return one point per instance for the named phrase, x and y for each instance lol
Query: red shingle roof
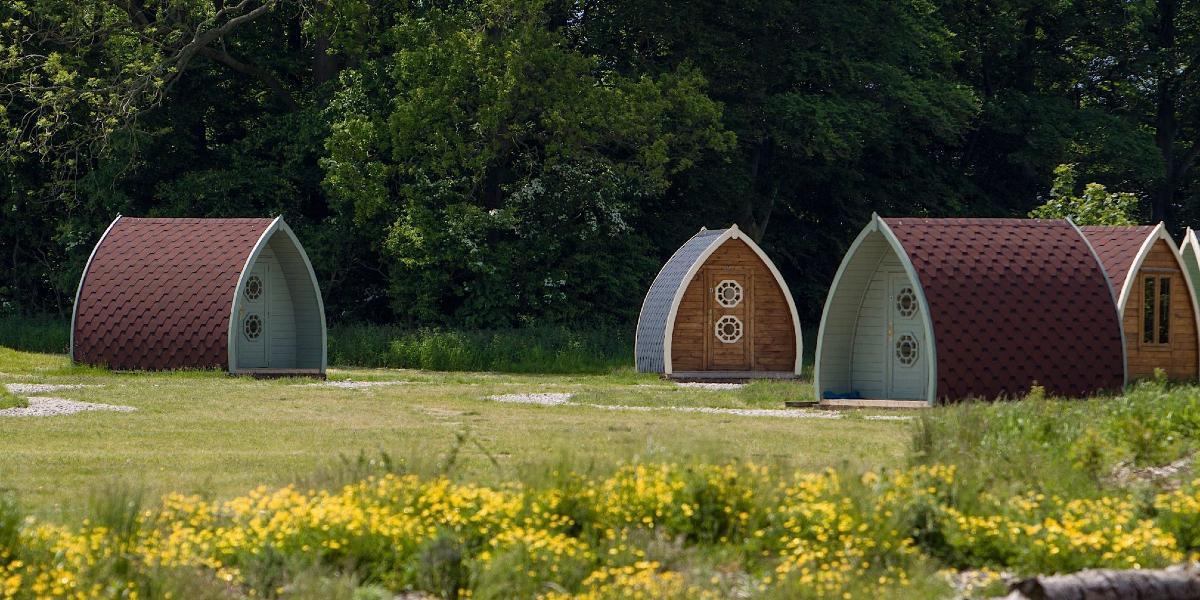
(158, 292)
(1117, 248)
(1013, 301)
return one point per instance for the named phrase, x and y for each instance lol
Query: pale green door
(253, 323)
(905, 344)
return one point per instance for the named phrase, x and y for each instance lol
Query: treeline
(500, 163)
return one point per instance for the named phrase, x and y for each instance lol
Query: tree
(1097, 206)
(834, 118)
(503, 169)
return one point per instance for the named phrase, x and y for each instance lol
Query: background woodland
(507, 163)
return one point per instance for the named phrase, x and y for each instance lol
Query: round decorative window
(254, 287)
(252, 326)
(729, 293)
(907, 352)
(906, 302)
(728, 329)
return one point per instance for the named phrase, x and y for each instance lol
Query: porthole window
(728, 329)
(906, 302)
(729, 293)
(907, 351)
(252, 326)
(254, 288)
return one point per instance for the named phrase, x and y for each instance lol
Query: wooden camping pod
(719, 309)
(1155, 296)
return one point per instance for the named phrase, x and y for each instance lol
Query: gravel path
(564, 399)
(700, 385)
(43, 406)
(550, 399)
(42, 388)
(358, 385)
(790, 413)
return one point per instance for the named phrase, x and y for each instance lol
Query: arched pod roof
(652, 341)
(1188, 254)
(158, 293)
(1123, 249)
(1010, 302)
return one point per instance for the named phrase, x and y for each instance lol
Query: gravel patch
(564, 399)
(740, 412)
(699, 385)
(550, 399)
(43, 406)
(42, 388)
(358, 385)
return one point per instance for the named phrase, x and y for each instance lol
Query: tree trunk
(1179, 583)
(1166, 127)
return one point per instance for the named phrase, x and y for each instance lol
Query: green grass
(524, 350)
(529, 350)
(1072, 448)
(11, 400)
(36, 333)
(207, 433)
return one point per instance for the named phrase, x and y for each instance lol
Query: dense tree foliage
(489, 163)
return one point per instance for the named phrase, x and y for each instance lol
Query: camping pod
(929, 310)
(234, 294)
(1155, 297)
(719, 309)
(1188, 255)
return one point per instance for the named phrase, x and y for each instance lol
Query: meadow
(385, 481)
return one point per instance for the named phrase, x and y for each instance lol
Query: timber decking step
(729, 376)
(873, 403)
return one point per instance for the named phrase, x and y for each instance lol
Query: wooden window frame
(1156, 279)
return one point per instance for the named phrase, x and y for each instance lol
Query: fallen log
(1173, 583)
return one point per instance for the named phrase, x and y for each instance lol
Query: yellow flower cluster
(644, 580)
(809, 535)
(1035, 532)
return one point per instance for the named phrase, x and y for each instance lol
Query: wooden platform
(729, 376)
(873, 403)
(280, 373)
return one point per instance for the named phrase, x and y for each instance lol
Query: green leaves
(1097, 206)
(508, 165)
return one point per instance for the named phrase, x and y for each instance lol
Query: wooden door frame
(745, 276)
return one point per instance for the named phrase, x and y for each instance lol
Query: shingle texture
(652, 322)
(1014, 301)
(158, 292)
(1117, 248)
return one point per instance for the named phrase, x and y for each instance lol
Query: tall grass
(1075, 448)
(546, 349)
(528, 350)
(50, 334)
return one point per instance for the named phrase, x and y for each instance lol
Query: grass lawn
(207, 433)
(636, 486)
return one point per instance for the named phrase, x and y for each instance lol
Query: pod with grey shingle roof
(719, 309)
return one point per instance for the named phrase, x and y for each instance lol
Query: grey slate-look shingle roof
(656, 308)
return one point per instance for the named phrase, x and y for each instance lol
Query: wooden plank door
(729, 345)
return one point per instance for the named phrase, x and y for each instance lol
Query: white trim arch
(82, 278)
(733, 233)
(278, 226)
(880, 227)
(1113, 293)
(1160, 233)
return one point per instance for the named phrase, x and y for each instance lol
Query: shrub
(530, 350)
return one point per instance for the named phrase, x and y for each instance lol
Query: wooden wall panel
(1179, 358)
(774, 337)
(687, 341)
